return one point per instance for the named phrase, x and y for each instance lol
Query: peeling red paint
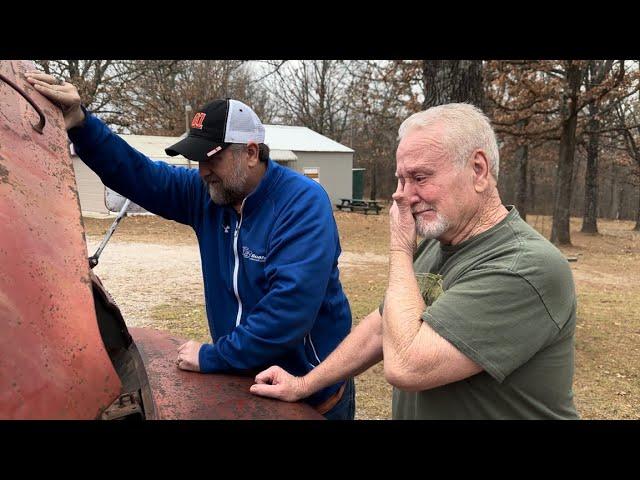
(52, 360)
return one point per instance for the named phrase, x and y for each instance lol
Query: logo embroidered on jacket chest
(248, 254)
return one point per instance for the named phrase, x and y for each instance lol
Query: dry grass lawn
(607, 277)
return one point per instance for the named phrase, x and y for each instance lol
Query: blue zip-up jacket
(272, 292)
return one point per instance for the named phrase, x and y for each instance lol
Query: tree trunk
(560, 229)
(532, 189)
(374, 183)
(597, 70)
(637, 227)
(613, 200)
(522, 154)
(452, 81)
(620, 209)
(590, 219)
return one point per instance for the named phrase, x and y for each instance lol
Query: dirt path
(141, 276)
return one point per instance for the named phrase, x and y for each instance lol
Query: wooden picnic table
(354, 205)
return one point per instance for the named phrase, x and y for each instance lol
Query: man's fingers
(184, 365)
(39, 76)
(48, 86)
(36, 73)
(264, 380)
(67, 88)
(45, 77)
(400, 196)
(67, 91)
(188, 356)
(400, 186)
(266, 376)
(275, 383)
(401, 202)
(52, 93)
(265, 390)
(181, 363)
(183, 352)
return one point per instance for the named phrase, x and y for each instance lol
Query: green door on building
(358, 183)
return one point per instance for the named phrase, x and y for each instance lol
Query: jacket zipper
(236, 267)
(315, 353)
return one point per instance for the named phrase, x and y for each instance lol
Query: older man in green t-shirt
(478, 321)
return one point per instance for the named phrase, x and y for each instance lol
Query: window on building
(313, 173)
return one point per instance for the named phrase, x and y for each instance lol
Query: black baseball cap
(216, 126)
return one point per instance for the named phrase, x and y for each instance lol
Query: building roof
(283, 141)
(283, 155)
(300, 139)
(278, 137)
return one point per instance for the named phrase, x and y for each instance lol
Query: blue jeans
(345, 409)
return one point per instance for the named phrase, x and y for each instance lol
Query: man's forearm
(403, 307)
(360, 350)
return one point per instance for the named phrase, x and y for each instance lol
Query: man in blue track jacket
(268, 241)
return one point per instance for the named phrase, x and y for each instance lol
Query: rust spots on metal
(53, 362)
(178, 394)
(4, 173)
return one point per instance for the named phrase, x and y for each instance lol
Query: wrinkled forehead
(424, 145)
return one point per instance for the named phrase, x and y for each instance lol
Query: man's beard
(229, 191)
(430, 228)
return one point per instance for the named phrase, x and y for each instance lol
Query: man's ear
(253, 152)
(480, 164)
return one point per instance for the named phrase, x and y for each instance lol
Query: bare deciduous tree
(101, 83)
(629, 124)
(314, 93)
(551, 96)
(155, 105)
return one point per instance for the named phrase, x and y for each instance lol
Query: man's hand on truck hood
(188, 356)
(60, 92)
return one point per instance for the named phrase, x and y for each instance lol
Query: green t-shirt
(505, 299)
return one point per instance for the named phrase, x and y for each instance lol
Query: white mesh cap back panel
(243, 125)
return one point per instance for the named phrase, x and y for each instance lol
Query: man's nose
(411, 192)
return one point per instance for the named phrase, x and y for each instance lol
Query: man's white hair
(466, 128)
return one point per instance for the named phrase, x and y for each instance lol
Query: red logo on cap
(198, 118)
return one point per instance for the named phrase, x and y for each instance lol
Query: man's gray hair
(466, 129)
(263, 150)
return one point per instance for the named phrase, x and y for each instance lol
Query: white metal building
(300, 148)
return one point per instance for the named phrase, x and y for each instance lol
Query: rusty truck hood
(53, 363)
